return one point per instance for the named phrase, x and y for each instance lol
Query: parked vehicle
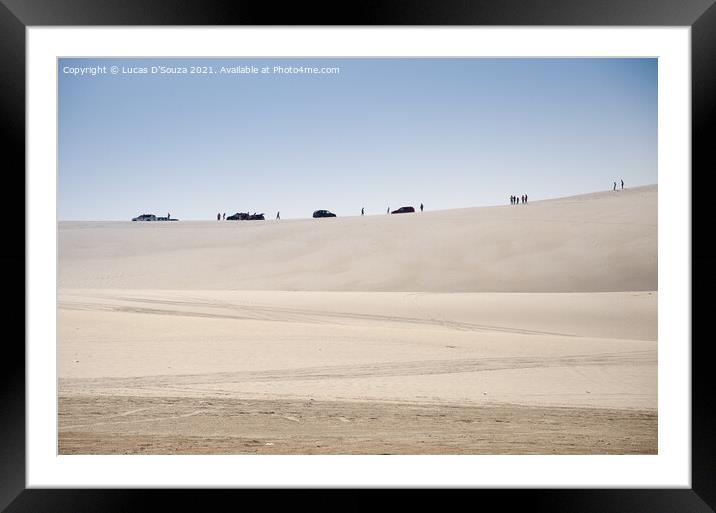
(403, 210)
(145, 217)
(323, 213)
(152, 217)
(245, 216)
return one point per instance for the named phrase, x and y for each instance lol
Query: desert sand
(526, 329)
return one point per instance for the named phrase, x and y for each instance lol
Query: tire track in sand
(372, 370)
(246, 312)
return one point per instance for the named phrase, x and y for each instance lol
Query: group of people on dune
(515, 200)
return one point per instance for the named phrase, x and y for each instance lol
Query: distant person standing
(168, 215)
(615, 186)
(362, 211)
(622, 184)
(278, 215)
(421, 207)
(388, 211)
(218, 216)
(223, 216)
(525, 198)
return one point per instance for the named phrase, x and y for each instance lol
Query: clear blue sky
(382, 132)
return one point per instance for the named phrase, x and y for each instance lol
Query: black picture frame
(17, 15)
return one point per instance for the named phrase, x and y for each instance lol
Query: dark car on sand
(323, 213)
(152, 217)
(403, 210)
(145, 217)
(244, 216)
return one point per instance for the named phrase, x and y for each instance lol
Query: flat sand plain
(526, 329)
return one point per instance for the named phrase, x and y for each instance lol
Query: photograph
(357, 256)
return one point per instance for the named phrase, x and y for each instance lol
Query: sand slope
(459, 348)
(601, 242)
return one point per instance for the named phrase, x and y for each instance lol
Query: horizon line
(373, 214)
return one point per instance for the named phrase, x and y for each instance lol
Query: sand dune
(602, 242)
(529, 329)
